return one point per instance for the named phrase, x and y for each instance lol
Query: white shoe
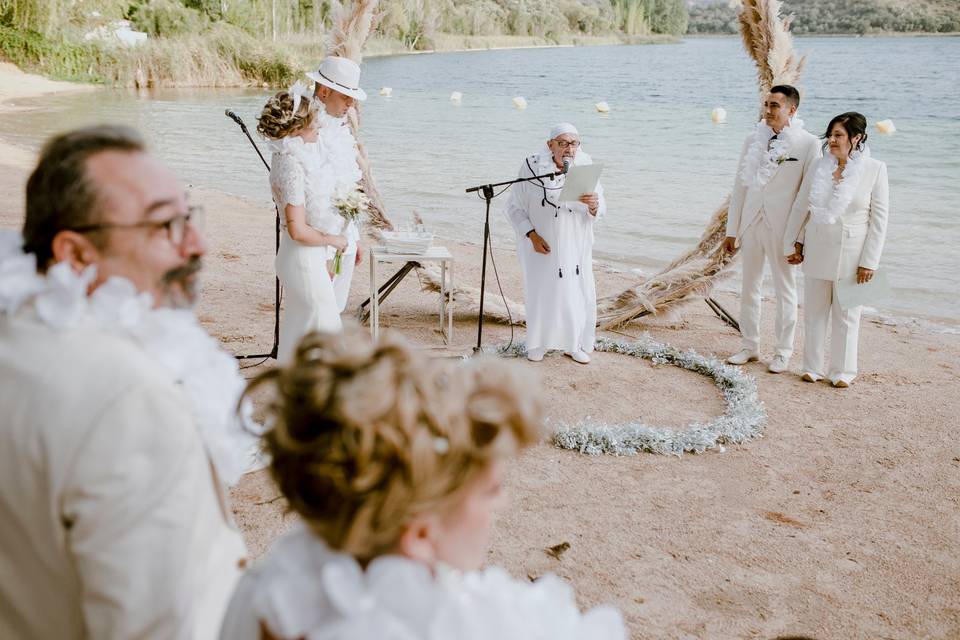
(778, 364)
(842, 382)
(536, 355)
(578, 356)
(743, 357)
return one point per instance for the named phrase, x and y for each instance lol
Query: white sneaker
(743, 357)
(578, 356)
(778, 364)
(536, 355)
(842, 382)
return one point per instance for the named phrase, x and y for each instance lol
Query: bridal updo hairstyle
(855, 124)
(366, 436)
(278, 120)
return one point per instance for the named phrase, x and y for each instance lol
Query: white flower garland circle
(743, 420)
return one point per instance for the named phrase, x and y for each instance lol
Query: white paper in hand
(850, 294)
(581, 179)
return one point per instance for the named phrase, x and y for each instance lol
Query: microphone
(567, 163)
(230, 114)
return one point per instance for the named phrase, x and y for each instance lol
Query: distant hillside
(832, 16)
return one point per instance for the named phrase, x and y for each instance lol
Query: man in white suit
(338, 89)
(772, 165)
(113, 522)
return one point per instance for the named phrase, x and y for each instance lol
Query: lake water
(667, 165)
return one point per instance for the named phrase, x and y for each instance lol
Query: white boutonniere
(785, 158)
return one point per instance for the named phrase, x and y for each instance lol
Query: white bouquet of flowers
(351, 204)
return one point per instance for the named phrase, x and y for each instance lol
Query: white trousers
(820, 308)
(341, 282)
(309, 303)
(761, 244)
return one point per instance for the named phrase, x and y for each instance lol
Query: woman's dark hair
(855, 124)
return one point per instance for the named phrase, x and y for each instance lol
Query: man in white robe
(773, 162)
(337, 88)
(555, 247)
(114, 523)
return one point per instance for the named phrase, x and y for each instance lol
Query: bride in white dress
(312, 232)
(394, 465)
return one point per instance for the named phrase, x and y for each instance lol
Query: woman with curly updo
(394, 464)
(312, 233)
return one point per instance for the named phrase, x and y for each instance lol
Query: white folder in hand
(581, 179)
(850, 294)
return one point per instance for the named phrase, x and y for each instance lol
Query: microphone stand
(276, 302)
(486, 192)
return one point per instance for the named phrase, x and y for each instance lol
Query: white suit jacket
(834, 251)
(775, 198)
(112, 523)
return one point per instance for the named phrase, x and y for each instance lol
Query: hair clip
(441, 445)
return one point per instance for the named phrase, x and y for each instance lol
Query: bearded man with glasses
(120, 427)
(555, 247)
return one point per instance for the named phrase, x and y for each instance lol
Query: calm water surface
(667, 165)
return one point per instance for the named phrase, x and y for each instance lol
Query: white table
(378, 254)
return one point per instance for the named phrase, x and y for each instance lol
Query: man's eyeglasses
(176, 226)
(564, 144)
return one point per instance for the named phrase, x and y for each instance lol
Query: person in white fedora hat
(337, 88)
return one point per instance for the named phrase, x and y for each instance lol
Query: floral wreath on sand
(743, 420)
(209, 377)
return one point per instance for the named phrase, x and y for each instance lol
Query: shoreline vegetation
(212, 43)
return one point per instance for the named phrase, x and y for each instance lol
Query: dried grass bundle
(766, 37)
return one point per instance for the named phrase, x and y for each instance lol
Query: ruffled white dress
(302, 589)
(297, 177)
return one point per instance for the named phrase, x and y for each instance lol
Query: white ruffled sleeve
(287, 181)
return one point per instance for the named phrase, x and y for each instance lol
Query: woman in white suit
(836, 230)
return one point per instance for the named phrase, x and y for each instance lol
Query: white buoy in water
(718, 115)
(886, 126)
(602, 107)
(386, 92)
(456, 97)
(520, 102)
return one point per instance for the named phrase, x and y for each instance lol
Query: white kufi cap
(562, 128)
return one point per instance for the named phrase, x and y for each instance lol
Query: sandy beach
(843, 521)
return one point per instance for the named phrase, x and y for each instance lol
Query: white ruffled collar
(295, 146)
(338, 149)
(303, 589)
(829, 199)
(209, 377)
(763, 157)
